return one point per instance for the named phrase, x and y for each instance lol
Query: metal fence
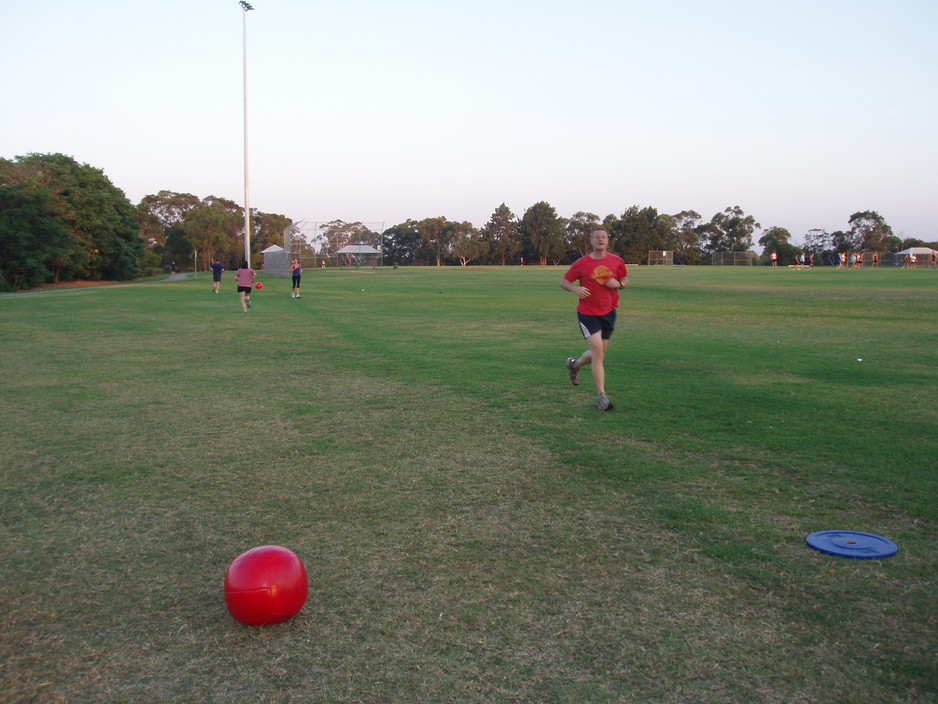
(734, 259)
(660, 258)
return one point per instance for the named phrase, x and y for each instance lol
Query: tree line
(63, 221)
(541, 236)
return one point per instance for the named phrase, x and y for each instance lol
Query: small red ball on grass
(266, 585)
(259, 285)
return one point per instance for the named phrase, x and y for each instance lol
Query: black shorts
(296, 281)
(244, 289)
(592, 324)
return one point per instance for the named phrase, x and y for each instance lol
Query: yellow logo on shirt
(602, 274)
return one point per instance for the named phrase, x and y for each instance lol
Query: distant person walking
(297, 272)
(600, 276)
(172, 268)
(217, 269)
(245, 278)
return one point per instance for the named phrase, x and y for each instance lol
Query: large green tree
(502, 235)
(778, 240)
(869, 230)
(212, 231)
(433, 239)
(686, 238)
(638, 231)
(544, 232)
(169, 207)
(466, 244)
(731, 231)
(95, 213)
(267, 229)
(579, 228)
(401, 243)
(817, 240)
(34, 244)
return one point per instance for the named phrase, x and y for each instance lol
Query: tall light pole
(246, 7)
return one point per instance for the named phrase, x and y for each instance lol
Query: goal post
(660, 258)
(734, 259)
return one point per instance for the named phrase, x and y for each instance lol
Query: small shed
(276, 260)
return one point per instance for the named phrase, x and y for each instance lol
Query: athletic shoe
(574, 371)
(604, 403)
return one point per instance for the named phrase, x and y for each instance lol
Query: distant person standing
(172, 268)
(600, 276)
(297, 272)
(774, 258)
(245, 278)
(217, 269)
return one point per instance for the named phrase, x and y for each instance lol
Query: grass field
(474, 529)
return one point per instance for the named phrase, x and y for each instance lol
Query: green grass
(473, 528)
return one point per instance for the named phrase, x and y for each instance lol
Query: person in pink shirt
(245, 278)
(600, 275)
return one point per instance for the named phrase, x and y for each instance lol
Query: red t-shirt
(593, 274)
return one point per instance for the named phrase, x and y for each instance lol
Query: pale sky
(801, 112)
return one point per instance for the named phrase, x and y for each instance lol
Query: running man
(600, 275)
(217, 269)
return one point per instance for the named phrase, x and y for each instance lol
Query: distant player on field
(217, 269)
(297, 273)
(600, 276)
(245, 278)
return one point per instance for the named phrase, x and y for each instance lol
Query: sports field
(474, 529)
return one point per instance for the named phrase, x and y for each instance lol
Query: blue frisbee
(851, 543)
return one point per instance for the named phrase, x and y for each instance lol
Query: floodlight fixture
(246, 6)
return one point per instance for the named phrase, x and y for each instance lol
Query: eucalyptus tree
(778, 239)
(869, 230)
(578, 229)
(433, 241)
(687, 240)
(817, 240)
(267, 229)
(731, 231)
(638, 231)
(401, 243)
(502, 235)
(467, 245)
(212, 231)
(168, 207)
(544, 231)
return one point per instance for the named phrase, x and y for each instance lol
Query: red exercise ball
(266, 585)
(259, 285)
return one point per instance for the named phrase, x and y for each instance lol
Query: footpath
(92, 285)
